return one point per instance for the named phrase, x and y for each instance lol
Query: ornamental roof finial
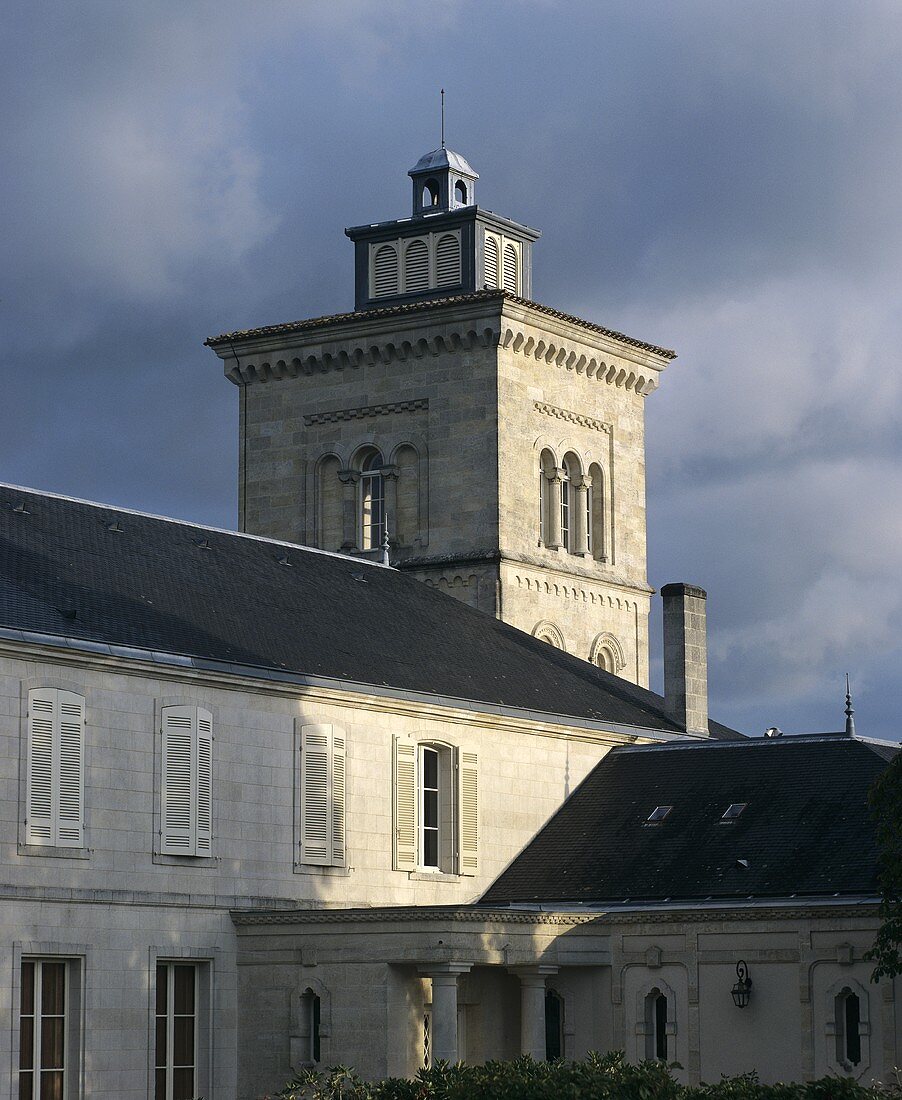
(850, 721)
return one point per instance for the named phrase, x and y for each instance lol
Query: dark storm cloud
(720, 178)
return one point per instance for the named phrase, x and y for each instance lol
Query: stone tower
(498, 442)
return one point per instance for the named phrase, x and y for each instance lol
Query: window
(55, 782)
(491, 262)
(658, 814)
(565, 507)
(656, 1026)
(311, 1008)
(848, 1029)
(322, 801)
(427, 1040)
(733, 811)
(587, 518)
(175, 1057)
(46, 1054)
(436, 808)
(430, 193)
(596, 514)
(460, 192)
(554, 1026)
(447, 261)
(546, 469)
(372, 502)
(385, 271)
(186, 812)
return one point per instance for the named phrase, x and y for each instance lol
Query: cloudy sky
(719, 177)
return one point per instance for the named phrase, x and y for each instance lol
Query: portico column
(444, 1008)
(390, 483)
(581, 520)
(555, 476)
(532, 1008)
(349, 479)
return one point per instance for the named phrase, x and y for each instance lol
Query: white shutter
(315, 808)
(416, 267)
(405, 805)
(203, 783)
(447, 261)
(42, 717)
(491, 262)
(177, 810)
(339, 771)
(385, 271)
(468, 815)
(70, 771)
(511, 282)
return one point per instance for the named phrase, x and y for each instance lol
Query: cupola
(442, 180)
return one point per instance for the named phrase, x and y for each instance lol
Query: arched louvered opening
(416, 267)
(460, 192)
(447, 261)
(491, 262)
(430, 193)
(372, 501)
(385, 271)
(511, 273)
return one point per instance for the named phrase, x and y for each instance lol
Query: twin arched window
(571, 515)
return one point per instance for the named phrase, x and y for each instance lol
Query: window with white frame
(48, 1030)
(322, 795)
(55, 778)
(176, 1031)
(436, 808)
(371, 509)
(566, 533)
(186, 788)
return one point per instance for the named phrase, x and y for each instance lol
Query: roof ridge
(788, 739)
(189, 523)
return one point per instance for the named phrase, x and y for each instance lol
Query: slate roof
(434, 303)
(80, 570)
(806, 831)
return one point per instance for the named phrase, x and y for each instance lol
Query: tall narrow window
(175, 1060)
(447, 261)
(460, 192)
(511, 279)
(43, 1057)
(848, 1028)
(656, 1026)
(311, 1008)
(430, 822)
(55, 775)
(385, 271)
(491, 262)
(588, 519)
(372, 502)
(186, 812)
(323, 766)
(430, 193)
(565, 507)
(554, 1026)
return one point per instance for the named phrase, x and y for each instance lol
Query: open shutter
(315, 794)
(338, 797)
(468, 802)
(203, 800)
(177, 817)
(405, 805)
(70, 771)
(42, 717)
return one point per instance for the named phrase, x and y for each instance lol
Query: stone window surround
(205, 959)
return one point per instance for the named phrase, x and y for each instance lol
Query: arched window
(565, 507)
(511, 280)
(656, 1026)
(385, 271)
(546, 631)
(546, 464)
(460, 192)
(416, 267)
(372, 502)
(310, 1025)
(430, 193)
(848, 1028)
(491, 262)
(596, 514)
(554, 1026)
(447, 261)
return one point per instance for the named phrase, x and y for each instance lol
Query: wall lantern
(742, 990)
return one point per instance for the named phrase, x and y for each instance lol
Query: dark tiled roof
(806, 830)
(177, 588)
(434, 303)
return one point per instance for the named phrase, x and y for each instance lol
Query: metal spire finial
(386, 545)
(850, 721)
(443, 118)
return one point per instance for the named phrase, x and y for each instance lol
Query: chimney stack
(686, 655)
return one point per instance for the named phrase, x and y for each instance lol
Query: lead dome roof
(443, 158)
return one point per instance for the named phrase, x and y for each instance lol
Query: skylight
(733, 811)
(657, 815)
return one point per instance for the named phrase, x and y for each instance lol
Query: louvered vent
(511, 283)
(416, 267)
(447, 261)
(385, 272)
(491, 262)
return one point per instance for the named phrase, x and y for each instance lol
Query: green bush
(598, 1077)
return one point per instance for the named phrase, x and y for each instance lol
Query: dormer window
(460, 192)
(658, 814)
(430, 193)
(732, 812)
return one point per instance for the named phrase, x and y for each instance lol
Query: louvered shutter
(385, 271)
(177, 812)
(70, 783)
(203, 783)
(468, 812)
(447, 261)
(405, 805)
(339, 771)
(511, 283)
(315, 808)
(42, 718)
(491, 262)
(416, 267)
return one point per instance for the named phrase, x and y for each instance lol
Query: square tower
(497, 444)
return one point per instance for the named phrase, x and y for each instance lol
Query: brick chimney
(686, 655)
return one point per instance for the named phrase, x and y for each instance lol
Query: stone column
(444, 1008)
(390, 486)
(555, 476)
(580, 521)
(349, 479)
(532, 1008)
